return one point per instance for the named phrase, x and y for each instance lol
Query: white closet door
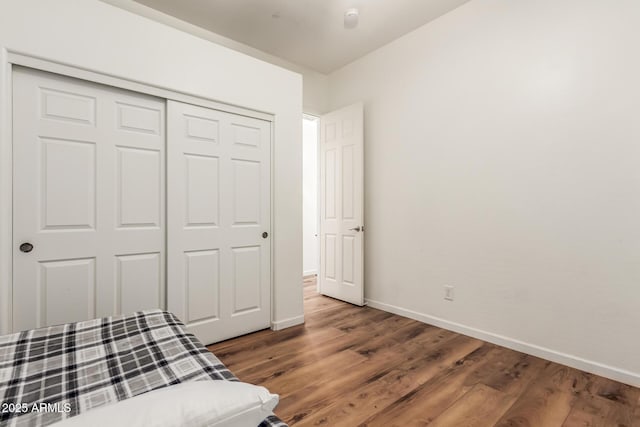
(89, 198)
(218, 221)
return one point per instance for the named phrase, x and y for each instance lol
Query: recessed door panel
(69, 107)
(202, 285)
(246, 135)
(347, 127)
(139, 284)
(202, 128)
(67, 291)
(348, 267)
(137, 118)
(202, 190)
(330, 256)
(68, 180)
(347, 183)
(246, 279)
(139, 187)
(330, 184)
(246, 195)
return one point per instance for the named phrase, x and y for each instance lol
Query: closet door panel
(219, 207)
(89, 192)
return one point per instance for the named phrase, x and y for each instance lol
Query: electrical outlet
(448, 293)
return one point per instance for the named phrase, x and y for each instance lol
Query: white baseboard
(309, 273)
(287, 323)
(611, 372)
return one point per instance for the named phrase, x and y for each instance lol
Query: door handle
(357, 229)
(265, 235)
(26, 247)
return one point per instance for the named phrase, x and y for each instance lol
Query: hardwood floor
(351, 366)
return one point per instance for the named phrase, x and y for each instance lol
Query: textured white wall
(310, 196)
(502, 157)
(96, 36)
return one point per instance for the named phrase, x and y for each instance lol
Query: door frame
(318, 195)
(12, 58)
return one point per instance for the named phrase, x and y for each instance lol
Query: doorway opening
(310, 197)
(333, 203)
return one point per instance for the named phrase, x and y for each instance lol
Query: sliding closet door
(89, 202)
(218, 221)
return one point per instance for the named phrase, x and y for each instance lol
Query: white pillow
(214, 403)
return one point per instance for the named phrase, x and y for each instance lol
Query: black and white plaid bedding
(69, 369)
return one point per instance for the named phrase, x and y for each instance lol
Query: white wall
(315, 92)
(310, 196)
(96, 36)
(502, 157)
(315, 84)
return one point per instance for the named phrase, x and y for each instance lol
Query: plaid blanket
(53, 373)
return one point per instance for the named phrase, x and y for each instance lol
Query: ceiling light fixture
(351, 18)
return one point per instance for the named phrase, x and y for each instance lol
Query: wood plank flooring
(351, 366)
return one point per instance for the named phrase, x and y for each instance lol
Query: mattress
(50, 374)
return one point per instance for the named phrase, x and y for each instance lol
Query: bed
(55, 374)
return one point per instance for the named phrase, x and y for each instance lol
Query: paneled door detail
(342, 205)
(219, 256)
(89, 200)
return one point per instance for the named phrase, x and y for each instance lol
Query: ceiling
(309, 33)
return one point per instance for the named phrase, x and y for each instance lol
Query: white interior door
(342, 204)
(88, 208)
(219, 256)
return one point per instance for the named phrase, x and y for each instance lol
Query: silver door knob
(355, 229)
